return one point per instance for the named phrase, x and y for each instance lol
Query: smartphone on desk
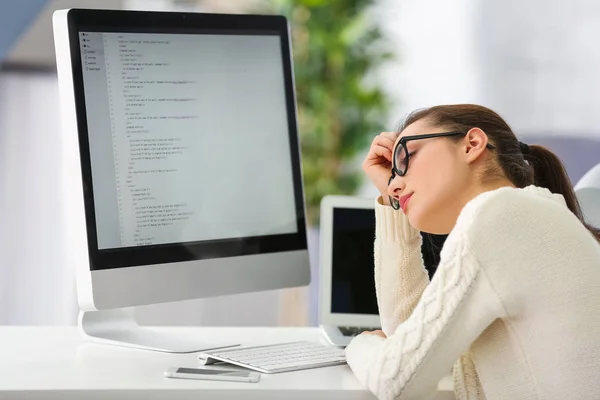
(212, 374)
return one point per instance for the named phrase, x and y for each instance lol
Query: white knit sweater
(514, 305)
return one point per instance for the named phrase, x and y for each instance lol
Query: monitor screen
(188, 141)
(188, 137)
(352, 262)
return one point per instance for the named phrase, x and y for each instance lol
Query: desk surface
(58, 363)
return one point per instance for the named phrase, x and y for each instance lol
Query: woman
(514, 306)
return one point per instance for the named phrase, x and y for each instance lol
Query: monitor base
(118, 327)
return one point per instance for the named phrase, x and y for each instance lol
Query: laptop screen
(353, 281)
(352, 260)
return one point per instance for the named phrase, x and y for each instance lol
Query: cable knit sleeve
(453, 311)
(400, 276)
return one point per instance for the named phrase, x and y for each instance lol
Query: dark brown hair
(539, 166)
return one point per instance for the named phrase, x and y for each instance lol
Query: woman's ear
(475, 142)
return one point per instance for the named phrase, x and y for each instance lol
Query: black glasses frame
(402, 145)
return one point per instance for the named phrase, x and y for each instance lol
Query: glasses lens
(393, 202)
(400, 160)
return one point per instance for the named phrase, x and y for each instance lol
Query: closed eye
(410, 155)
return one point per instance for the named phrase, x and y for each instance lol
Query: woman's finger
(382, 151)
(391, 135)
(385, 141)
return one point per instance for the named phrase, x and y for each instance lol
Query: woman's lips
(403, 200)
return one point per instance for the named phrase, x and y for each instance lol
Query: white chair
(588, 194)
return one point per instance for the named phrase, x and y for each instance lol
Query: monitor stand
(119, 327)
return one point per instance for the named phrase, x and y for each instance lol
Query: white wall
(540, 61)
(37, 287)
(535, 62)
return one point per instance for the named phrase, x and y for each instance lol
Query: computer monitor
(181, 160)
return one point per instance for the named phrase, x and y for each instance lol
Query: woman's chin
(417, 220)
(412, 219)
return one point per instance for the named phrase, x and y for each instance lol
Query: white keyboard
(274, 358)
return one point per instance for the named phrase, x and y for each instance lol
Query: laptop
(347, 298)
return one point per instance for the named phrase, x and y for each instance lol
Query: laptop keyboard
(355, 330)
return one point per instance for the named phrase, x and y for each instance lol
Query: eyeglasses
(401, 156)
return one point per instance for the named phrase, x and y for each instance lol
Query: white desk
(56, 363)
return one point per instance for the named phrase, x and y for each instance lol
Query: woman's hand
(378, 162)
(376, 333)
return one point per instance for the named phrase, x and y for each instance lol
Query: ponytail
(549, 172)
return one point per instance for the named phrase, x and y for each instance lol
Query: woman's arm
(400, 276)
(458, 305)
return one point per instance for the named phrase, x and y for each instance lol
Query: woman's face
(439, 180)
